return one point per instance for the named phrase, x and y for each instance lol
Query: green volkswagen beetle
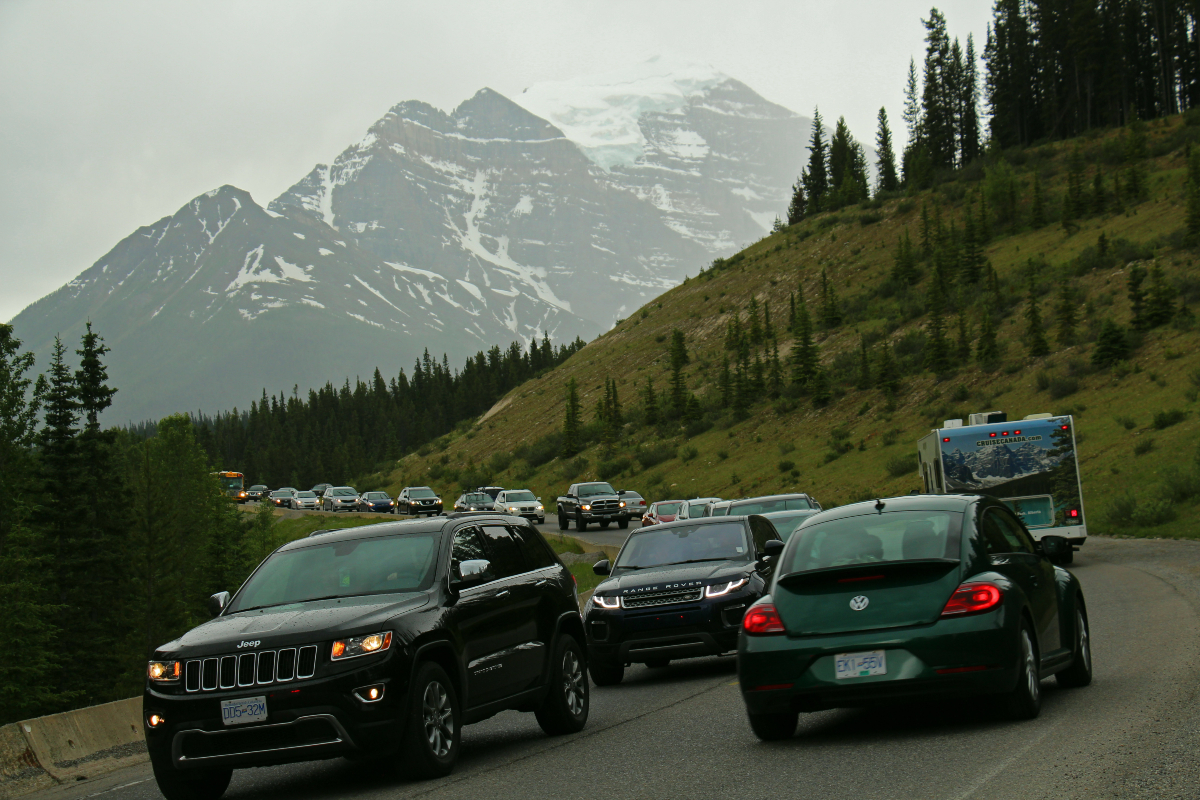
(909, 597)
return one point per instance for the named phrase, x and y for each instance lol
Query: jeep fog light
(370, 694)
(155, 721)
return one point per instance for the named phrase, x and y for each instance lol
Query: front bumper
(316, 719)
(383, 507)
(799, 674)
(682, 630)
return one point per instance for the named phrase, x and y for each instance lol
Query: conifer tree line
(1049, 69)
(337, 433)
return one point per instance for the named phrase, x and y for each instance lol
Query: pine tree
(1135, 168)
(768, 326)
(733, 332)
(1137, 297)
(726, 384)
(791, 326)
(1193, 199)
(937, 348)
(963, 349)
(969, 125)
(927, 233)
(831, 310)
(1074, 206)
(885, 166)
(799, 205)
(904, 264)
(912, 103)
(822, 390)
(1035, 334)
(679, 359)
(650, 402)
(1038, 215)
(777, 225)
(815, 177)
(1112, 345)
(754, 324)
(972, 254)
(986, 351)
(1065, 315)
(774, 372)
(1099, 195)
(937, 112)
(758, 379)
(864, 365)
(571, 427)
(888, 374)
(1160, 299)
(804, 355)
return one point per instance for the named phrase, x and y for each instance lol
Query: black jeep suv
(384, 639)
(678, 590)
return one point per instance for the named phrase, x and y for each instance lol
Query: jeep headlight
(361, 645)
(164, 671)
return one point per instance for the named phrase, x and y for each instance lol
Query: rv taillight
(992, 434)
(1016, 433)
(1066, 427)
(945, 438)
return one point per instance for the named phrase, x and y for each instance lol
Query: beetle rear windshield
(351, 568)
(655, 547)
(875, 538)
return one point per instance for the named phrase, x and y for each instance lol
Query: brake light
(1073, 513)
(973, 598)
(945, 438)
(762, 621)
(993, 434)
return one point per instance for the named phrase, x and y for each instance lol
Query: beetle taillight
(762, 621)
(973, 598)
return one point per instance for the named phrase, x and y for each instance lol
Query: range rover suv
(676, 590)
(383, 639)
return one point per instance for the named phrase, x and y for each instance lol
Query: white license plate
(861, 665)
(244, 711)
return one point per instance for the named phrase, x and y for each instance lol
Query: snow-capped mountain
(989, 466)
(449, 231)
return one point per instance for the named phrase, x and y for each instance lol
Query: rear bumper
(799, 673)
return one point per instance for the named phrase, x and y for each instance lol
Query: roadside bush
(1165, 419)
(697, 427)
(869, 219)
(1120, 511)
(1180, 486)
(541, 451)
(901, 465)
(891, 436)
(1153, 512)
(1063, 386)
(1143, 447)
(1128, 423)
(722, 454)
(654, 455)
(786, 447)
(787, 466)
(688, 454)
(500, 461)
(607, 470)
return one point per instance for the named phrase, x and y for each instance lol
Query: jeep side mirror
(601, 567)
(471, 572)
(218, 602)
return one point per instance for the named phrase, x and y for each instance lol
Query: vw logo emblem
(859, 603)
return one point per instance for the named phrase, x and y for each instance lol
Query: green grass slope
(1137, 423)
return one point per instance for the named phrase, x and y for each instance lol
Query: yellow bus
(233, 484)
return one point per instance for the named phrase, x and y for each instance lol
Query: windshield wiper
(292, 603)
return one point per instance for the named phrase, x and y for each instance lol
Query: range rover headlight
(606, 602)
(165, 671)
(721, 589)
(361, 645)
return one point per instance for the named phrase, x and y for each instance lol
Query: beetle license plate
(861, 665)
(244, 711)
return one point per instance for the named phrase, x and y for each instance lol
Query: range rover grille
(250, 669)
(662, 598)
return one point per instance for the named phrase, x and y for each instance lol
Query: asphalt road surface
(681, 732)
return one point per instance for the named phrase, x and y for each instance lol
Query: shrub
(722, 454)
(607, 470)
(901, 465)
(1128, 423)
(1153, 512)
(1143, 447)
(542, 450)
(1063, 386)
(1042, 381)
(688, 454)
(787, 466)
(697, 427)
(1179, 486)
(869, 219)
(832, 455)
(961, 394)
(500, 461)
(786, 447)
(654, 455)
(1165, 419)
(891, 436)
(839, 434)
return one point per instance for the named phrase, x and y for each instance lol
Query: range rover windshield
(380, 565)
(656, 547)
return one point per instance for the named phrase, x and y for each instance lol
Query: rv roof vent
(1043, 415)
(952, 423)
(988, 417)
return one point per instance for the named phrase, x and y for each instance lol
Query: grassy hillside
(1137, 425)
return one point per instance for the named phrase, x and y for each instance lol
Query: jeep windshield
(684, 544)
(593, 489)
(380, 565)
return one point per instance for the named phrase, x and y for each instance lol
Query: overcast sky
(117, 113)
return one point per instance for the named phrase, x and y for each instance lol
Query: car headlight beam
(722, 589)
(164, 671)
(361, 645)
(606, 602)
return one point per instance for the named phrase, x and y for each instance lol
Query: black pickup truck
(592, 502)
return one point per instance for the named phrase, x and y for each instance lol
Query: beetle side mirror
(470, 572)
(217, 603)
(1054, 547)
(601, 567)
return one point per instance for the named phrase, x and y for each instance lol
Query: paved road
(609, 537)
(682, 732)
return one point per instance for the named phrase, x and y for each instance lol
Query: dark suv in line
(373, 640)
(676, 590)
